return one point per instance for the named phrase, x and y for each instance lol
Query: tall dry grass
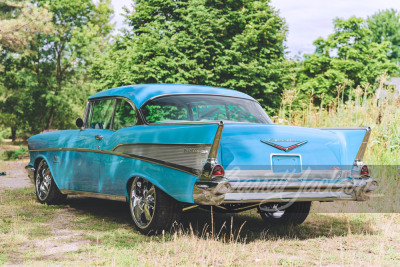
(362, 109)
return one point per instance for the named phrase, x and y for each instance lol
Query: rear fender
(354, 143)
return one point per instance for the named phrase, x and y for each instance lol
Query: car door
(87, 152)
(125, 116)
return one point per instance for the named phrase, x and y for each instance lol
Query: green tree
(47, 87)
(348, 56)
(19, 23)
(385, 26)
(238, 44)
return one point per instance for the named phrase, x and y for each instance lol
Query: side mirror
(79, 123)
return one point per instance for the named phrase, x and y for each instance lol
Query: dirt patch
(62, 239)
(60, 242)
(16, 177)
(7, 144)
(8, 147)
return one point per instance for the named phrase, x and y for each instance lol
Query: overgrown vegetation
(89, 231)
(51, 65)
(362, 108)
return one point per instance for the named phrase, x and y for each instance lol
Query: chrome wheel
(43, 181)
(142, 202)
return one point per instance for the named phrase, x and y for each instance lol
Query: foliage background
(54, 54)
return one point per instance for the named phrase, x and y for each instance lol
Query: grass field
(98, 232)
(88, 231)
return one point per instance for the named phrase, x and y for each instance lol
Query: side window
(125, 115)
(102, 114)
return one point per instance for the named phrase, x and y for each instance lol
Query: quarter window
(125, 115)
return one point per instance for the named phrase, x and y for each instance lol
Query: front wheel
(275, 214)
(46, 189)
(151, 209)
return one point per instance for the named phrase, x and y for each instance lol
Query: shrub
(15, 154)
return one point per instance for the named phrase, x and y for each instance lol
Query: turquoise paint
(240, 148)
(139, 94)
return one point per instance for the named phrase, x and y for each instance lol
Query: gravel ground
(16, 177)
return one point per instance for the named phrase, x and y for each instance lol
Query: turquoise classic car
(168, 148)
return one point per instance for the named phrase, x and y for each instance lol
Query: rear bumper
(210, 193)
(31, 172)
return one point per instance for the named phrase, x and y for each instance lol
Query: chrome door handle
(98, 137)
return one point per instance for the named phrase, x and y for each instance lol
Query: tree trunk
(13, 133)
(51, 116)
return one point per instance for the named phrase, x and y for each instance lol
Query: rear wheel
(46, 189)
(275, 214)
(151, 209)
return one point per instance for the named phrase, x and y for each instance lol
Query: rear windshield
(181, 108)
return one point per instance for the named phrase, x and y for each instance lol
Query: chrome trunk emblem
(286, 149)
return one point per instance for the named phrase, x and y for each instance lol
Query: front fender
(36, 157)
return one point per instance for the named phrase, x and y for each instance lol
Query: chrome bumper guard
(219, 192)
(31, 172)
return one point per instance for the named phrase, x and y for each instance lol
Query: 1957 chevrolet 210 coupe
(167, 148)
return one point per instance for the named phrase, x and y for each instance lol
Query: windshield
(180, 108)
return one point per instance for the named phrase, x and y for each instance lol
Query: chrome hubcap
(142, 202)
(43, 180)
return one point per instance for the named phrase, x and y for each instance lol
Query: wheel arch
(148, 178)
(37, 160)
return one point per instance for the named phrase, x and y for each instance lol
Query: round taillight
(218, 171)
(364, 170)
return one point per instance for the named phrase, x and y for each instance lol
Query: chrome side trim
(188, 156)
(206, 173)
(94, 195)
(178, 167)
(363, 146)
(163, 144)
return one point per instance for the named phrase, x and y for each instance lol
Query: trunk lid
(259, 151)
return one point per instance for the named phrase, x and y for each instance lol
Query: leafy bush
(14, 154)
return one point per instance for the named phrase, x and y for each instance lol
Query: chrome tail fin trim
(206, 172)
(363, 147)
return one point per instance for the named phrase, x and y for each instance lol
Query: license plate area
(286, 164)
